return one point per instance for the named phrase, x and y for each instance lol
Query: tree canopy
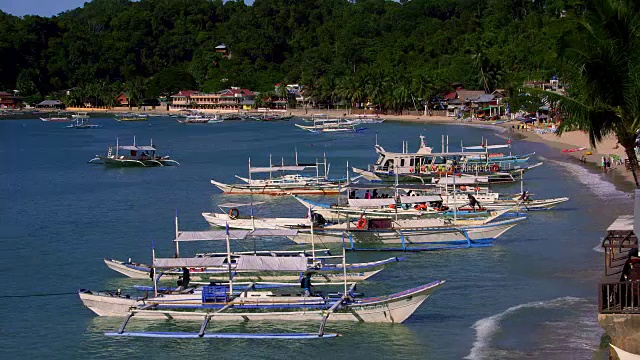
(391, 52)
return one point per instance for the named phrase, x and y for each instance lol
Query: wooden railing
(619, 298)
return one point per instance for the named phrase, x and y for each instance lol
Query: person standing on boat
(367, 195)
(473, 202)
(305, 283)
(183, 282)
(525, 196)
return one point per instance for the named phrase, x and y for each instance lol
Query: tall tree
(605, 84)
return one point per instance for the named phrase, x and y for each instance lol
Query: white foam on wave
(486, 328)
(598, 248)
(595, 183)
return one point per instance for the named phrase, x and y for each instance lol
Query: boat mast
(229, 262)
(177, 242)
(117, 147)
(325, 165)
(250, 171)
(455, 206)
(153, 269)
(313, 242)
(344, 270)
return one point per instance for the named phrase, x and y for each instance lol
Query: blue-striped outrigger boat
(222, 303)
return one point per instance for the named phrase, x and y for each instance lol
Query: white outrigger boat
(284, 184)
(221, 303)
(427, 165)
(132, 117)
(80, 115)
(411, 235)
(55, 118)
(133, 156)
(425, 233)
(322, 124)
(323, 269)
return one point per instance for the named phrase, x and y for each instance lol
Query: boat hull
(449, 235)
(243, 189)
(394, 308)
(140, 271)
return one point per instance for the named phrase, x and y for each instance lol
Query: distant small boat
(56, 118)
(573, 150)
(80, 115)
(132, 117)
(133, 156)
(82, 123)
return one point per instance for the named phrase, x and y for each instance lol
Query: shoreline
(617, 175)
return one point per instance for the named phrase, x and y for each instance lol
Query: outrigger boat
(198, 118)
(82, 123)
(410, 235)
(132, 117)
(80, 115)
(221, 303)
(133, 156)
(322, 267)
(284, 184)
(56, 118)
(427, 165)
(322, 124)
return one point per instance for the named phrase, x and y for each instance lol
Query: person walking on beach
(603, 163)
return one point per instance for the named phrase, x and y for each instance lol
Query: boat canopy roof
(419, 199)
(137, 148)
(216, 235)
(234, 205)
(271, 263)
(365, 203)
(379, 186)
(188, 262)
(254, 170)
(488, 147)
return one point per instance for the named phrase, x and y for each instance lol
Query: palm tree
(606, 83)
(135, 89)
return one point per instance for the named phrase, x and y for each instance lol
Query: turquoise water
(532, 295)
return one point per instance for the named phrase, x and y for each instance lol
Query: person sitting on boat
(305, 283)
(525, 196)
(375, 194)
(473, 202)
(367, 195)
(352, 194)
(183, 281)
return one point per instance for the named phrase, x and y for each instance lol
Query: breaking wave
(585, 339)
(595, 183)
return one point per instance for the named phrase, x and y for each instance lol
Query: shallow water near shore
(531, 295)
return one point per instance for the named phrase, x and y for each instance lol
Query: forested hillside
(384, 51)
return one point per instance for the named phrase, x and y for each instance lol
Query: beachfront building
(123, 99)
(462, 102)
(232, 99)
(619, 289)
(50, 104)
(9, 101)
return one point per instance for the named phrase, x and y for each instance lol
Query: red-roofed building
(9, 101)
(234, 98)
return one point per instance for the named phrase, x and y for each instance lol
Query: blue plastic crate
(214, 293)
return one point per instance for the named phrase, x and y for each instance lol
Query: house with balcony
(619, 288)
(232, 99)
